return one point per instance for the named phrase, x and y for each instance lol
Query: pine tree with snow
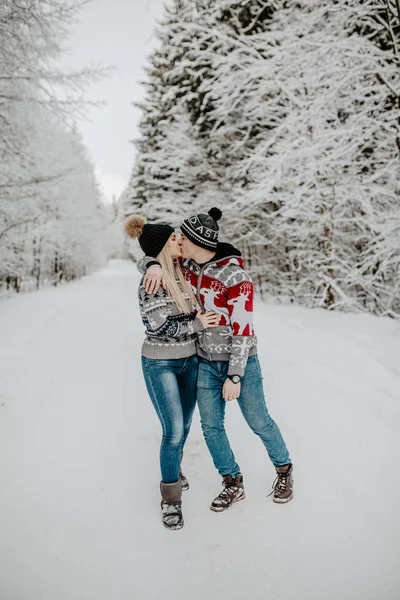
(165, 137)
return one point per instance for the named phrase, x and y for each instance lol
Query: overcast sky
(119, 33)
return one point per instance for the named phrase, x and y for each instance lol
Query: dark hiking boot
(282, 488)
(171, 505)
(233, 492)
(185, 483)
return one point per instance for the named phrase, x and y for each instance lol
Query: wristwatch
(235, 378)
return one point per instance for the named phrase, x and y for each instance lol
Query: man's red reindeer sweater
(224, 286)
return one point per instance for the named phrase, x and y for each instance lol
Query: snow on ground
(79, 500)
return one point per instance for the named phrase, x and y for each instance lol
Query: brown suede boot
(171, 505)
(282, 488)
(233, 492)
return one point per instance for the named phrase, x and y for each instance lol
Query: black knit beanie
(152, 237)
(203, 229)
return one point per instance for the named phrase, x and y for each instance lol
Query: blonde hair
(173, 276)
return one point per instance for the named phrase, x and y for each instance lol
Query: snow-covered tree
(287, 116)
(317, 172)
(150, 180)
(172, 173)
(47, 187)
(54, 226)
(179, 166)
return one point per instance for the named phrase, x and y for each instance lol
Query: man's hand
(230, 391)
(153, 279)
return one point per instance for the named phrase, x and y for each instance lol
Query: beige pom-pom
(134, 226)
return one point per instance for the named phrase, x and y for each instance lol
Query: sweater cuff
(197, 325)
(236, 370)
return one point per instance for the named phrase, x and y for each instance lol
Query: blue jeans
(172, 389)
(212, 375)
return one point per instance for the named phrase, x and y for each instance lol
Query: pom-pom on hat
(134, 226)
(152, 237)
(203, 229)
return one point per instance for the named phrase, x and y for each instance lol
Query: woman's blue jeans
(212, 375)
(171, 385)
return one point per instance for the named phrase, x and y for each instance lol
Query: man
(229, 368)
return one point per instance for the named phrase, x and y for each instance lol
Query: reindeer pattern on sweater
(225, 287)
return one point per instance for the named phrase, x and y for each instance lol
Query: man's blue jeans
(211, 378)
(171, 385)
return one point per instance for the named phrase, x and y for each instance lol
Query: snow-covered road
(79, 499)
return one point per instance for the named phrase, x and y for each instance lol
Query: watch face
(235, 378)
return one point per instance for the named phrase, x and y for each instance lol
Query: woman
(169, 359)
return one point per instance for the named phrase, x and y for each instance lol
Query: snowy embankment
(79, 501)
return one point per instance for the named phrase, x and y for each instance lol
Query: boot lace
(280, 482)
(229, 490)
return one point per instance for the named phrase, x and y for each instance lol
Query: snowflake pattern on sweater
(169, 333)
